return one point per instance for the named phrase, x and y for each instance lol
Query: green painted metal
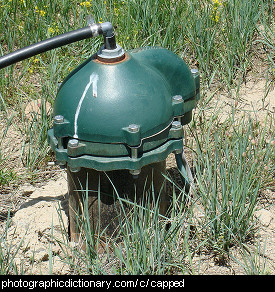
(99, 101)
(107, 163)
(106, 157)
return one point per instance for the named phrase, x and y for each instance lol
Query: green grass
(143, 245)
(6, 176)
(233, 161)
(8, 252)
(231, 169)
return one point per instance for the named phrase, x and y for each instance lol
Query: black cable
(46, 45)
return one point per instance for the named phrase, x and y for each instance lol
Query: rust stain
(118, 60)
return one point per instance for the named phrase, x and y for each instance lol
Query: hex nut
(135, 173)
(75, 169)
(58, 119)
(195, 72)
(176, 125)
(177, 98)
(73, 143)
(133, 128)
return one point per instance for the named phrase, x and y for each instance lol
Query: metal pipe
(105, 29)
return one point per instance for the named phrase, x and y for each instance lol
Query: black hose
(46, 45)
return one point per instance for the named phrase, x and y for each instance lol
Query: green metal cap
(119, 113)
(99, 101)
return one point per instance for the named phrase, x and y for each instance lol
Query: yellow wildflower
(86, 4)
(36, 60)
(42, 12)
(216, 4)
(38, 11)
(215, 17)
(53, 29)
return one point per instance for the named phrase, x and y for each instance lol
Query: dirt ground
(36, 220)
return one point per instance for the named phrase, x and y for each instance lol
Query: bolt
(133, 128)
(135, 173)
(75, 169)
(60, 143)
(178, 98)
(73, 143)
(195, 72)
(176, 125)
(58, 119)
(61, 163)
(178, 151)
(134, 153)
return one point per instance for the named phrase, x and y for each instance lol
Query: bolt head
(195, 72)
(176, 125)
(177, 98)
(133, 128)
(58, 119)
(73, 143)
(75, 169)
(61, 163)
(135, 173)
